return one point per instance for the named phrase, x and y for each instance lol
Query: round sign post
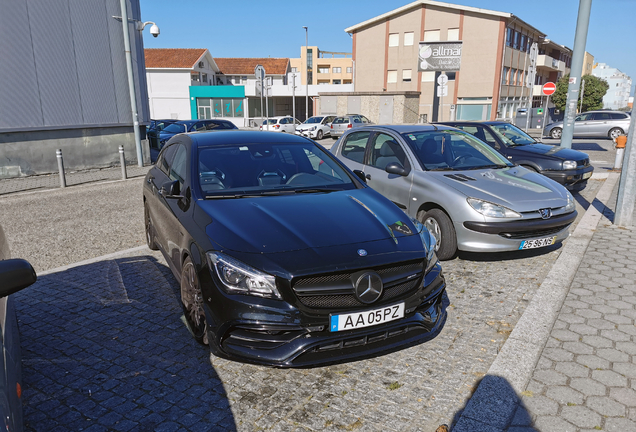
(548, 89)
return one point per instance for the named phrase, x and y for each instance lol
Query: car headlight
(568, 164)
(429, 242)
(492, 210)
(313, 128)
(571, 205)
(239, 278)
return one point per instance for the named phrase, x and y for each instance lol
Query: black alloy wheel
(192, 302)
(150, 230)
(440, 225)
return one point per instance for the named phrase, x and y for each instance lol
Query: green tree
(595, 89)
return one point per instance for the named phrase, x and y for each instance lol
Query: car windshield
(269, 169)
(512, 135)
(313, 120)
(175, 128)
(450, 150)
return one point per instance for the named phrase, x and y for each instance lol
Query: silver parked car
(342, 124)
(315, 127)
(603, 124)
(468, 195)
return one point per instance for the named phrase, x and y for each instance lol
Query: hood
(554, 151)
(305, 127)
(516, 188)
(274, 224)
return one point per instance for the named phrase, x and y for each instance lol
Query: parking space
(105, 346)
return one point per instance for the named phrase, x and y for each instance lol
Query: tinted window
(166, 157)
(220, 125)
(602, 116)
(355, 145)
(618, 116)
(341, 120)
(199, 126)
(583, 117)
(364, 119)
(175, 128)
(178, 167)
(385, 151)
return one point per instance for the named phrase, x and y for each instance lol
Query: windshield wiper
(316, 190)
(494, 166)
(445, 169)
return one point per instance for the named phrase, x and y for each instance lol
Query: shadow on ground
(104, 348)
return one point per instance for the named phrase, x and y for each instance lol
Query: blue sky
(251, 28)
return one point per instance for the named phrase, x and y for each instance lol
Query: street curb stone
(512, 369)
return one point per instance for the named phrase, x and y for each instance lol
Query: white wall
(169, 93)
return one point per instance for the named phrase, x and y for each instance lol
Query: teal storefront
(217, 101)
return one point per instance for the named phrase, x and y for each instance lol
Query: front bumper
(572, 179)
(308, 133)
(291, 337)
(507, 236)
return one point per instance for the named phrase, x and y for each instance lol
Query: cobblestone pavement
(105, 347)
(585, 379)
(73, 178)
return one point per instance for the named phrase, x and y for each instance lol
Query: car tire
(150, 230)
(334, 137)
(615, 133)
(192, 302)
(319, 135)
(442, 228)
(556, 133)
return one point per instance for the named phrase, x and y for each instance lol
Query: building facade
(64, 85)
(492, 81)
(323, 67)
(620, 85)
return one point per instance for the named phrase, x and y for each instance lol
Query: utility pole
(582, 93)
(294, 95)
(580, 39)
(307, 72)
(627, 185)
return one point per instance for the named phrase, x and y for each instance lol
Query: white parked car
(315, 127)
(285, 124)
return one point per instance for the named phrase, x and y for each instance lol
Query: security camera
(154, 30)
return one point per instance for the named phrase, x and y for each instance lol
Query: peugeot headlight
(489, 209)
(570, 206)
(569, 164)
(429, 242)
(239, 278)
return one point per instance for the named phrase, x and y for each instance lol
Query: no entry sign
(549, 88)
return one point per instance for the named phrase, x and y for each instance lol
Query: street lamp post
(306, 72)
(154, 30)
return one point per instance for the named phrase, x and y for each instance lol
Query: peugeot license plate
(533, 244)
(367, 318)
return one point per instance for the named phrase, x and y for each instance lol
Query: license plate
(533, 244)
(587, 175)
(369, 318)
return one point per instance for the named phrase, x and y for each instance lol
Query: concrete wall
(169, 93)
(405, 105)
(33, 152)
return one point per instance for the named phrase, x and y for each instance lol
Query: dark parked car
(183, 126)
(569, 167)
(284, 256)
(15, 274)
(153, 130)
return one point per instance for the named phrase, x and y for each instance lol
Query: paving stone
(566, 335)
(626, 369)
(609, 378)
(578, 347)
(597, 341)
(558, 354)
(592, 361)
(601, 324)
(553, 424)
(606, 406)
(615, 335)
(540, 405)
(564, 395)
(550, 377)
(612, 355)
(580, 416)
(619, 425)
(624, 396)
(588, 386)
(572, 370)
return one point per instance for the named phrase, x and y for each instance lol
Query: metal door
(328, 105)
(354, 105)
(386, 110)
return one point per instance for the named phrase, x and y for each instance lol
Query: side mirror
(360, 175)
(396, 168)
(171, 190)
(16, 274)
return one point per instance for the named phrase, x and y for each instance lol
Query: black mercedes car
(569, 167)
(284, 256)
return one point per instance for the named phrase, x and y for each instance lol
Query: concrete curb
(490, 410)
(94, 260)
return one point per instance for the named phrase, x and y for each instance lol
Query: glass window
(337, 70)
(349, 69)
(516, 40)
(385, 151)
(512, 135)
(178, 167)
(365, 120)
(391, 76)
(408, 39)
(217, 105)
(453, 34)
(294, 69)
(504, 75)
(198, 126)
(194, 76)
(355, 145)
(509, 35)
(238, 108)
(602, 116)
(227, 108)
(166, 157)
(337, 81)
(431, 36)
(618, 116)
(394, 39)
(406, 75)
(323, 69)
(524, 40)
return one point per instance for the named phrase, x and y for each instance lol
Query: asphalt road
(414, 389)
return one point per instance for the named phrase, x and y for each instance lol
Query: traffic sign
(442, 90)
(548, 88)
(442, 79)
(259, 71)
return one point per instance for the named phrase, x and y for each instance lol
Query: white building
(620, 85)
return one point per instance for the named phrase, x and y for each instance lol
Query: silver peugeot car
(468, 195)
